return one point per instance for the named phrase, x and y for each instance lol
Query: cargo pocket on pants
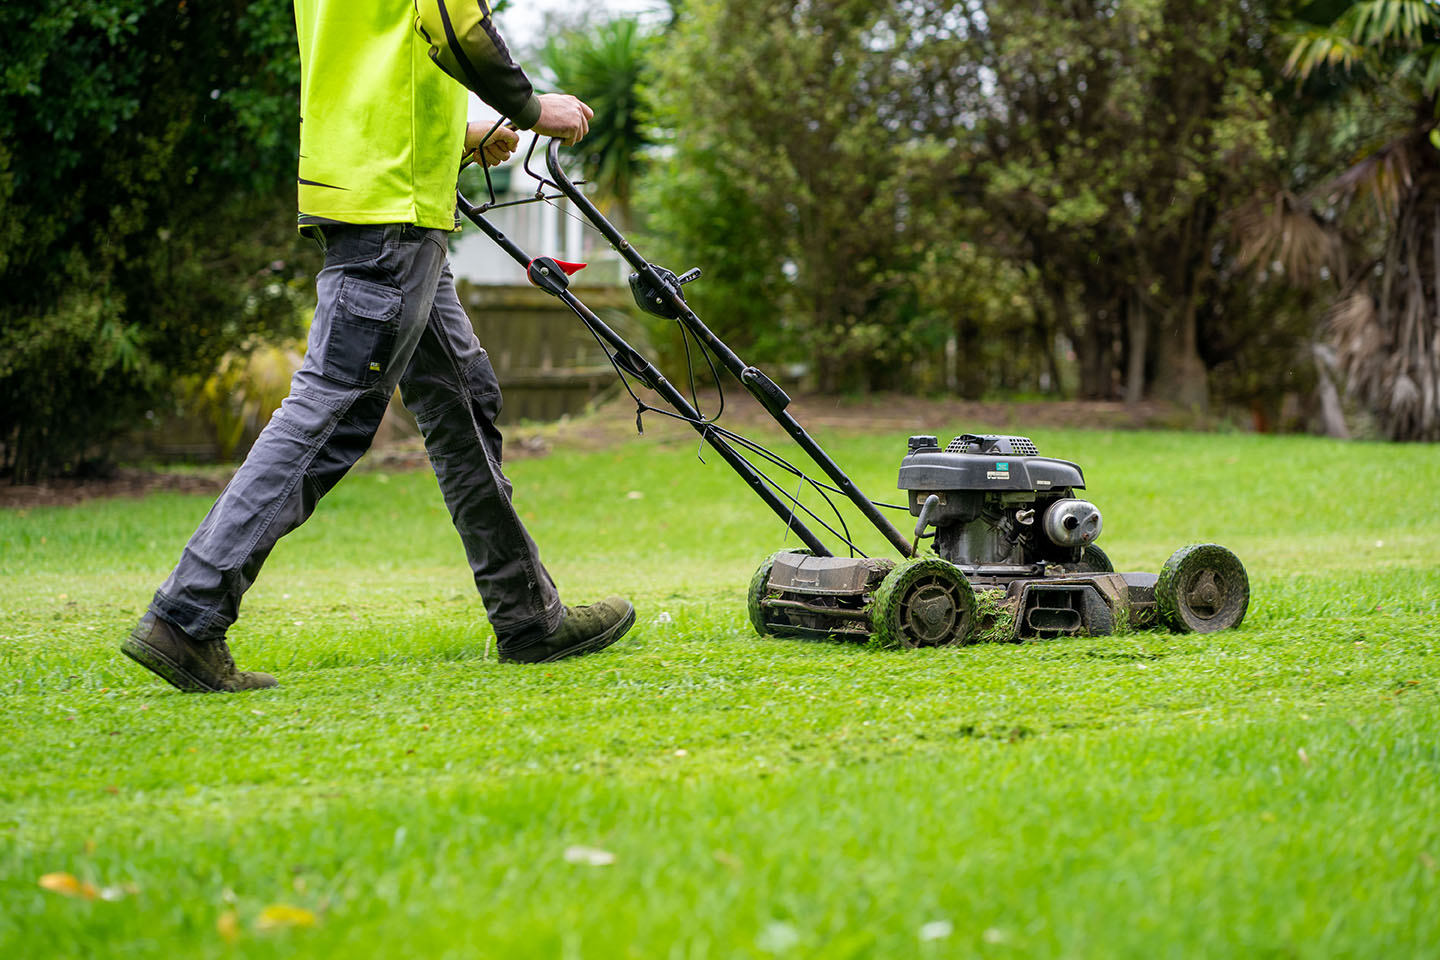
(362, 332)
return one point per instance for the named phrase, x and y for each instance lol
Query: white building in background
(549, 229)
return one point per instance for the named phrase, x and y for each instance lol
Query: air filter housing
(992, 443)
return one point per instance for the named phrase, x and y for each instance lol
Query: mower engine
(1014, 558)
(999, 510)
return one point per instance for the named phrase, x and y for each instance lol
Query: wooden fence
(547, 362)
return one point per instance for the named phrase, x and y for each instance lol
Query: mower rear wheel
(1202, 588)
(1092, 560)
(759, 587)
(924, 602)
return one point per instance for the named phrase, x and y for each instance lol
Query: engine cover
(991, 467)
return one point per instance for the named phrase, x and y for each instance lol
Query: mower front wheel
(1202, 588)
(923, 603)
(760, 587)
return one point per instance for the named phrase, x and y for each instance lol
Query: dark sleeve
(464, 43)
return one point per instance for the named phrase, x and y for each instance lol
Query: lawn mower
(1012, 553)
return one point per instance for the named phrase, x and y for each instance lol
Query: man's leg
(451, 388)
(374, 300)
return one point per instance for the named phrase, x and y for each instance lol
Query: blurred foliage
(247, 387)
(790, 180)
(1105, 146)
(1377, 189)
(1143, 200)
(147, 202)
(985, 196)
(604, 65)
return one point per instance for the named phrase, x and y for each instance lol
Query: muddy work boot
(584, 630)
(195, 666)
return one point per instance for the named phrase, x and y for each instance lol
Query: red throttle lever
(551, 275)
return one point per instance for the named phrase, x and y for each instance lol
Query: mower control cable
(540, 196)
(641, 407)
(708, 424)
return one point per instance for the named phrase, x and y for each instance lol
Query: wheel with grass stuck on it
(760, 586)
(1202, 588)
(923, 602)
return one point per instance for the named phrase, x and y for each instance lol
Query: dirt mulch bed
(124, 482)
(614, 422)
(899, 411)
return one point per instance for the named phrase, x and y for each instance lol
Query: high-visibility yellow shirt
(382, 126)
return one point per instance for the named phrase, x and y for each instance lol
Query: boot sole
(598, 642)
(163, 667)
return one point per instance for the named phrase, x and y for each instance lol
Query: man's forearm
(464, 43)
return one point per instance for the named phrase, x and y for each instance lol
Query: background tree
(799, 175)
(832, 161)
(1107, 146)
(146, 197)
(1384, 324)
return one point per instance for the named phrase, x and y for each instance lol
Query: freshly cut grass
(699, 792)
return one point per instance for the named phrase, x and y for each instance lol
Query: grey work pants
(387, 314)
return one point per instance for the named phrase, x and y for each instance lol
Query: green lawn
(1271, 791)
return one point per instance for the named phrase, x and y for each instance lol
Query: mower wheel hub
(930, 613)
(1206, 595)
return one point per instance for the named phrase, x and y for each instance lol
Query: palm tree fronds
(1282, 230)
(1358, 338)
(1382, 23)
(1319, 47)
(1430, 58)
(1385, 175)
(1403, 394)
(605, 65)
(1387, 350)
(1362, 34)
(1385, 327)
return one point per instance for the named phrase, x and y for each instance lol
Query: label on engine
(1001, 471)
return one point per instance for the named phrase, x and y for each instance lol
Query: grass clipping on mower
(994, 617)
